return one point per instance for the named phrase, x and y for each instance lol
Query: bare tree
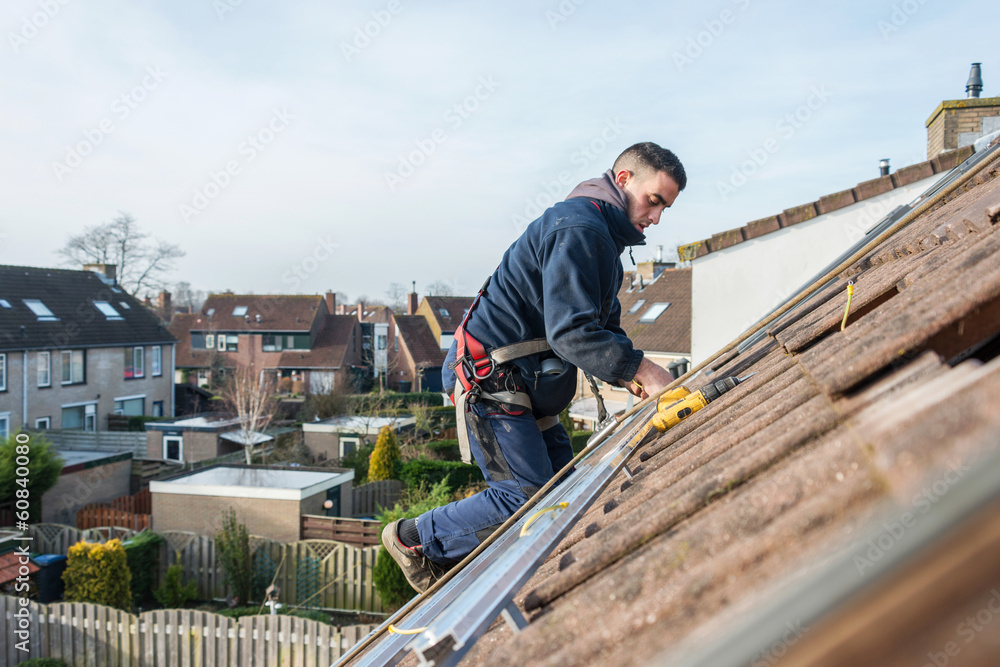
(440, 288)
(185, 296)
(141, 261)
(250, 396)
(397, 297)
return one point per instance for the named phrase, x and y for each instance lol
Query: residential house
(75, 348)
(294, 337)
(742, 274)
(196, 438)
(419, 357)
(443, 315)
(337, 437)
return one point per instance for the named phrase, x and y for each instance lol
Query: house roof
(10, 566)
(837, 200)
(180, 326)
(278, 312)
(75, 322)
(449, 311)
(670, 331)
(330, 349)
(419, 340)
(837, 435)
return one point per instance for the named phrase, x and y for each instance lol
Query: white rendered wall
(733, 288)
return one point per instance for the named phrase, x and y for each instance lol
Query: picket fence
(314, 573)
(98, 636)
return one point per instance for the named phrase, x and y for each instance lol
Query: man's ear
(621, 178)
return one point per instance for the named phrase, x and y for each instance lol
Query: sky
(300, 147)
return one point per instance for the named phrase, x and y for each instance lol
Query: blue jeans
(516, 459)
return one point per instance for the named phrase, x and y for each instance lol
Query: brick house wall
(273, 519)
(955, 117)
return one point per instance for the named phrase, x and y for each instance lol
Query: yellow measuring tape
(398, 631)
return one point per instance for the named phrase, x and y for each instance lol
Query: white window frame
(47, 356)
(135, 397)
(138, 369)
(40, 310)
(108, 310)
(156, 404)
(180, 447)
(4, 425)
(46, 420)
(209, 341)
(350, 439)
(3, 371)
(157, 361)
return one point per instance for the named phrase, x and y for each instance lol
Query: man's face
(647, 197)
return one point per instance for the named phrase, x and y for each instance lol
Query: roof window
(124, 305)
(239, 311)
(654, 311)
(210, 312)
(108, 310)
(636, 306)
(40, 310)
(5, 303)
(443, 312)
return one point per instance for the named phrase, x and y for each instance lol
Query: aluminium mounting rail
(466, 606)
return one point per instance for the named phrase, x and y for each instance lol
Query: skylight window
(210, 312)
(654, 311)
(124, 305)
(239, 311)
(636, 306)
(443, 312)
(108, 310)
(40, 310)
(5, 303)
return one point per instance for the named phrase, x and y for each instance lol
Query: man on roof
(550, 307)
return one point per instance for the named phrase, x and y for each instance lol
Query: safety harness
(475, 366)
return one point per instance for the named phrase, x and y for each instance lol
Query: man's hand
(649, 379)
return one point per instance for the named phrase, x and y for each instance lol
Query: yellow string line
(850, 294)
(398, 631)
(560, 506)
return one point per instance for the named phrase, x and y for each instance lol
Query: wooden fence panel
(369, 499)
(93, 516)
(360, 532)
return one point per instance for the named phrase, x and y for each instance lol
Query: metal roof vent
(974, 85)
(883, 166)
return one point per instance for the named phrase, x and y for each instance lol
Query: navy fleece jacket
(560, 281)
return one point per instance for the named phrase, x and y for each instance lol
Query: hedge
(143, 555)
(429, 472)
(444, 450)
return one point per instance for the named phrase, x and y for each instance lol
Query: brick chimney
(107, 271)
(411, 303)
(361, 311)
(164, 305)
(958, 123)
(331, 302)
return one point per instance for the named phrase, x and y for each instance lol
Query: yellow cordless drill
(678, 404)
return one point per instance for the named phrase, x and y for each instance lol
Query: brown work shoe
(419, 570)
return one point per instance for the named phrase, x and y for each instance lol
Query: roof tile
(761, 227)
(912, 174)
(835, 201)
(726, 239)
(872, 188)
(797, 214)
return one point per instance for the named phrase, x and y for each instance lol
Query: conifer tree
(385, 456)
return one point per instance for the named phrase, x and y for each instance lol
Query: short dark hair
(644, 157)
